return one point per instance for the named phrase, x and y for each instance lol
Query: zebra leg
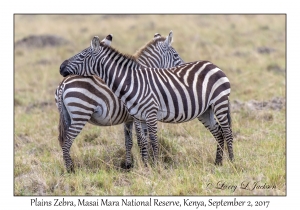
(128, 143)
(208, 120)
(142, 141)
(67, 134)
(144, 129)
(66, 153)
(152, 129)
(71, 134)
(227, 132)
(222, 112)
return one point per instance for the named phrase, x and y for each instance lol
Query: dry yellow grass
(250, 49)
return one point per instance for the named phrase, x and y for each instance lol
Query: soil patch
(40, 41)
(276, 68)
(265, 50)
(275, 103)
(38, 105)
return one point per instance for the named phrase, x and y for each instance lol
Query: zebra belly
(172, 118)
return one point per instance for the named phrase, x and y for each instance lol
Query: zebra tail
(228, 113)
(62, 126)
(61, 129)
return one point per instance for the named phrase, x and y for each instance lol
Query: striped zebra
(192, 90)
(88, 99)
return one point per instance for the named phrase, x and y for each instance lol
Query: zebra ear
(95, 43)
(107, 40)
(169, 39)
(157, 35)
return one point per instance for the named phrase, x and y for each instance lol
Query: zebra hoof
(126, 165)
(218, 163)
(71, 169)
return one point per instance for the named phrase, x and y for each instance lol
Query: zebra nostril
(62, 67)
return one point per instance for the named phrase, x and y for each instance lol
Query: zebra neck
(148, 58)
(118, 71)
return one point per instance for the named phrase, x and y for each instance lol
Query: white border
(8, 9)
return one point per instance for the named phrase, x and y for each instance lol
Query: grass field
(250, 49)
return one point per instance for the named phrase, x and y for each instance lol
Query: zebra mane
(138, 53)
(131, 57)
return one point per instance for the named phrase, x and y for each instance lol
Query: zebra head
(159, 53)
(171, 58)
(75, 64)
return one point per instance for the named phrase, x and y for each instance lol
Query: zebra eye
(91, 50)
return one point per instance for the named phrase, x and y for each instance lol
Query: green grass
(187, 151)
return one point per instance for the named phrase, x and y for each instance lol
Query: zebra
(198, 89)
(88, 99)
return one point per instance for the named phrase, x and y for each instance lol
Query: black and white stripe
(193, 90)
(88, 99)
